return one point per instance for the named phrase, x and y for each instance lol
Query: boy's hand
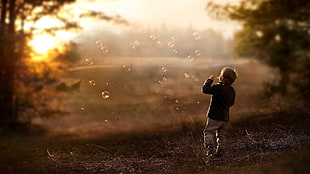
(212, 77)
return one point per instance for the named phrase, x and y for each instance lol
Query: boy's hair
(229, 75)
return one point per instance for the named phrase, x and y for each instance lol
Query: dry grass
(151, 127)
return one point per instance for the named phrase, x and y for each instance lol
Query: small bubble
(159, 42)
(198, 52)
(186, 75)
(177, 108)
(198, 102)
(104, 49)
(92, 82)
(196, 36)
(175, 51)
(170, 44)
(99, 43)
(152, 37)
(160, 82)
(89, 61)
(164, 78)
(278, 38)
(126, 67)
(106, 120)
(105, 94)
(190, 57)
(172, 39)
(164, 69)
(135, 45)
(82, 108)
(259, 34)
(177, 101)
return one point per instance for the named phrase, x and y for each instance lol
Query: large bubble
(105, 94)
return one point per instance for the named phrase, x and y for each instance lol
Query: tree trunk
(8, 57)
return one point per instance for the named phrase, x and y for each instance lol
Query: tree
(276, 32)
(20, 84)
(14, 14)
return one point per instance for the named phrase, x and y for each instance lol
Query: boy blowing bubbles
(223, 97)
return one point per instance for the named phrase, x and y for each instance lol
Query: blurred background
(87, 66)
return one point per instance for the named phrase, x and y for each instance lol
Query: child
(223, 97)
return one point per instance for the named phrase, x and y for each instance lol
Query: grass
(147, 126)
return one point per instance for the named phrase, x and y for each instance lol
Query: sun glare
(42, 43)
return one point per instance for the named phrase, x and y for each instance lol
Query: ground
(268, 143)
(152, 122)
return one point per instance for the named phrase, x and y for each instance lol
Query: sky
(171, 13)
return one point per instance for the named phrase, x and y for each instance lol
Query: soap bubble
(99, 43)
(175, 51)
(164, 69)
(105, 94)
(92, 82)
(186, 75)
(152, 37)
(126, 67)
(259, 33)
(198, 52)
(278, 38)
(135, 44)
(190, 57)
(196, 36)
(104, 49)
(170, 44)
(89, 61)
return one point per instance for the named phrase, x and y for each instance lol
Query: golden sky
(171, 13)
(141, 14)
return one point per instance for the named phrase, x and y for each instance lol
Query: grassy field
(152, 122)
(149, 92)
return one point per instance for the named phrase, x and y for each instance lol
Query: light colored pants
(215, 130)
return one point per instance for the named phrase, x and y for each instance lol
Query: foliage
(26, 86)
(278, 33)
(165, 43)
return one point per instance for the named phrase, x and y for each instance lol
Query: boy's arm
(207, 88)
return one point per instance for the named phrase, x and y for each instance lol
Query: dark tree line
(13, 48)
(277, 32)
(23, 90)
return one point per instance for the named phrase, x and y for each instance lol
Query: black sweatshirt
(223, 96)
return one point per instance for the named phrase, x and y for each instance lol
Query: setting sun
(42, 43)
